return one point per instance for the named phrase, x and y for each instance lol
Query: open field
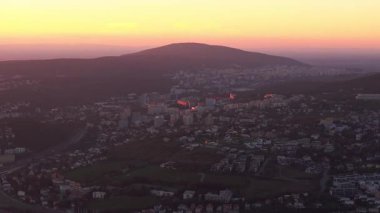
(134, 164)
(251, 187)
(137, 155)
(273, 170)
(264, 188)
(122, 203)
(96, 172)
(155, 151)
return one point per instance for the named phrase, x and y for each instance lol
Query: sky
(29, 25)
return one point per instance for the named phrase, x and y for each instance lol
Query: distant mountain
(162, 59)
(81, 79)
(215, 56)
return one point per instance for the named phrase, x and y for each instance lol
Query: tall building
(126, 113)
(137, 118)
(123, 123)
(156, 109)
(188, 119)
(173, 118)
(210, 102)
(143, 99)
(209, 120)
(158, 121)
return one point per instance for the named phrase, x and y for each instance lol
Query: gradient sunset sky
(248, 24)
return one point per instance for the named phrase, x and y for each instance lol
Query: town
(213, 144)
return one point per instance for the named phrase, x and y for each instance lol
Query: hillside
(349, 86)
(78, 80)
(368, 84)
(158, 60)
(215, 56)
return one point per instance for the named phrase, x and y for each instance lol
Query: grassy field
(96, 173)
(156, 151)
(251, 187)
(123, 203)
(142, 164)
(262, 188)
(142, 155)
(273, 170)
(290, 172)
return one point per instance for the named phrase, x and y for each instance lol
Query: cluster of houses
(242, 79)
(8, 149)
(306, 163)
(14, 110)
(299, 131)
(42, 183)
(362, 190)
(224, 202)
(238, 161)
(15, 82)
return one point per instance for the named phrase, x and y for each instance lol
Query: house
(188, 194)
(211, 197)
(19, 150)
(209, 208)
(199, 209)
(227, 208)
(373, 210)
(64, 187)
(21, 193)
(161, 193)
(183, 208)
(223, 196)
(98, 195)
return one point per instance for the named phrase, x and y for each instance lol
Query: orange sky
(246, 24)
